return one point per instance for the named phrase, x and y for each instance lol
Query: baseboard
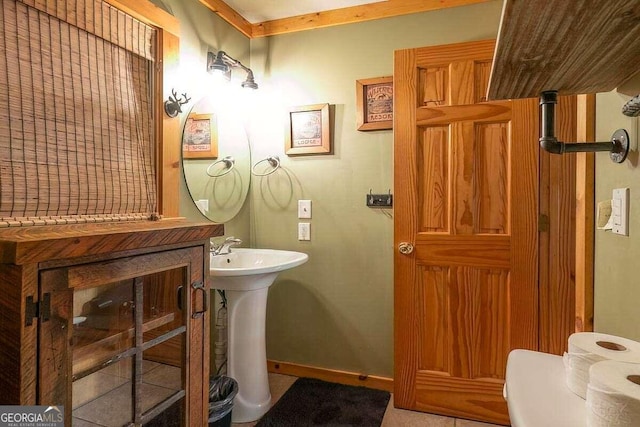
(331, 375)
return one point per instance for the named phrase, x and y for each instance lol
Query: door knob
(405, 248)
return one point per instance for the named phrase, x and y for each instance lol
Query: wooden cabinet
(111, 321)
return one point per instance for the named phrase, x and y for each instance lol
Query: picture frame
(200, 138)
(308, 130)
(374, 103)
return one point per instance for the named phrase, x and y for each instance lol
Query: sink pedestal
(245, 275)
(247, 360)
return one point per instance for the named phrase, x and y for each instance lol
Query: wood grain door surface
(466, 184)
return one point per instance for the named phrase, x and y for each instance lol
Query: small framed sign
(200, 139)
(374, 103)
(308, 130)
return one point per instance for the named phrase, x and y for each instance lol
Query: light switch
(304, 208)
(304, 231)
(620, 211)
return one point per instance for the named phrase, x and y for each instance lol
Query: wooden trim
(148, 13)
(585, 201)
(350, 15)
(168, 131)
(329, 18)
(557, 236)
(331, 375)
(231, 16)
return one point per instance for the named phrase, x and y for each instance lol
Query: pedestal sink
(245, 275)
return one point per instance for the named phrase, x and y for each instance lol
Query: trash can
(222, 390)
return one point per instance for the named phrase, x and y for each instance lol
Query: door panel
(466, 197)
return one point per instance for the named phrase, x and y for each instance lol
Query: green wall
(617, 288)
(336, 311)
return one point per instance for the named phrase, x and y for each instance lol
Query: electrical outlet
(304, 231)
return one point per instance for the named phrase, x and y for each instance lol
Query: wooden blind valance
(76, 122)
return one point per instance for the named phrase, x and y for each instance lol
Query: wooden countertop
(21, 245)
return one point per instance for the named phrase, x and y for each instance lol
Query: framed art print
(374, 103)
(308, 130)
(200, 139)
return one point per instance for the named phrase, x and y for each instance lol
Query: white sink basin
(245, 275)
(249, 269)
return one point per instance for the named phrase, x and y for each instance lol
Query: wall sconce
(223, 63)
(174, 104)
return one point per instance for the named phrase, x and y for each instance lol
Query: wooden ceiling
(348, 15)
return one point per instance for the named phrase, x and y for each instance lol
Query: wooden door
(466, 185)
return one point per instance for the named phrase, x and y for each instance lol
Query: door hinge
(40, 309)
(543, 223)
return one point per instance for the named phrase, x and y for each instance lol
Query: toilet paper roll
(613, 395)
(587, 348)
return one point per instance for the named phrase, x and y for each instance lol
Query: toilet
(536, 392)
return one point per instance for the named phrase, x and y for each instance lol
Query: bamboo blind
(76, 118)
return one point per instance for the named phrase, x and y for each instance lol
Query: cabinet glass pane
(103, 319)
(104, 397)
(163, 297)
(128, 346)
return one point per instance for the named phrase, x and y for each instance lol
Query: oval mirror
(216, 158)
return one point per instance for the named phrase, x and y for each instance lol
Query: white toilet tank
(536, 392)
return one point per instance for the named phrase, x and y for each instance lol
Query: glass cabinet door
(127, 357)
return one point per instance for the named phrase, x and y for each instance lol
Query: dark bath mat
(311, 402)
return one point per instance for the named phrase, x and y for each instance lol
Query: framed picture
(200, 138)
(374, 103)
(308, 130)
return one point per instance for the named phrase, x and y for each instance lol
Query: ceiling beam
(347, 15)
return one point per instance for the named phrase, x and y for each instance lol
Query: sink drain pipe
(220, 345)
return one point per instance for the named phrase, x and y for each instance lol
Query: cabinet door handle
(199, 286)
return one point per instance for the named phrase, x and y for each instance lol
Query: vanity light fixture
(222, 63)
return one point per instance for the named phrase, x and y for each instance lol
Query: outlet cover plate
(304, 231)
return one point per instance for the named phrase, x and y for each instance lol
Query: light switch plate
(304, 231)
(620, 211)
(304, 209)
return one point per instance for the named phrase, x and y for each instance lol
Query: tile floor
(95, 397)
(392, 417)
